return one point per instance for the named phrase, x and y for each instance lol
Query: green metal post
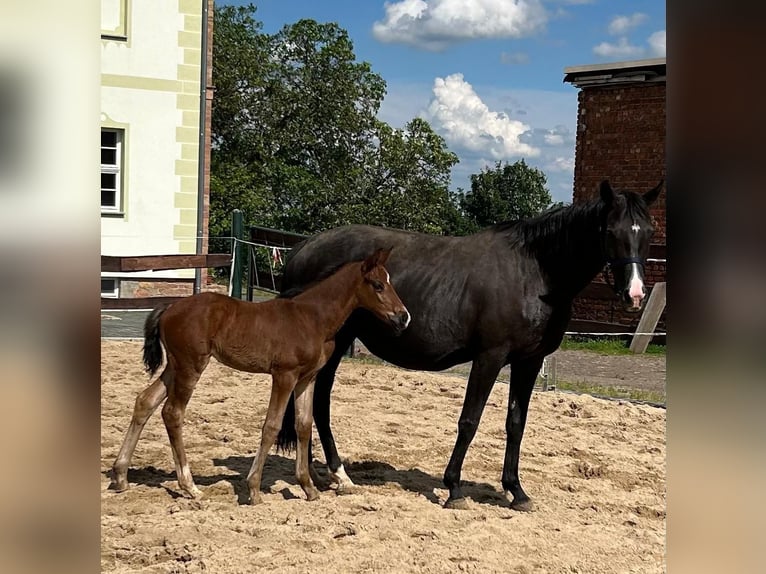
(239, 254)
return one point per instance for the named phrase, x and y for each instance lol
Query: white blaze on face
(636, 285)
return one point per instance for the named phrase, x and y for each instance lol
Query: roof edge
(625, 65)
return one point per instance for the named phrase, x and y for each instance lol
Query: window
(110, 287)
(111, 170)
(114, 17)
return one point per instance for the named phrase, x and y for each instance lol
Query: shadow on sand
(277, 467)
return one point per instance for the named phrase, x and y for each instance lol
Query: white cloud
(622, 49)
(406, 100)
(657, 43)
(622, 24)
(512, 58)
(560, 164)
(435, 24)
(465, 121)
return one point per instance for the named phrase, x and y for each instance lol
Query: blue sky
(487, 74)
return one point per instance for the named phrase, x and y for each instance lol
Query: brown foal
(289, 338)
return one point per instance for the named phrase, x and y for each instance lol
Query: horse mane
(546, 234)
(295, 291)
(549, 234)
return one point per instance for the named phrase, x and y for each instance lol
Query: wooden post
(239, 254)
(649, 318)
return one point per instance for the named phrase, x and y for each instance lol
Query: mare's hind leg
(322, 391)
(173, 412)
(480, 382)
(304, 397)
(282, 385)
(146, 403)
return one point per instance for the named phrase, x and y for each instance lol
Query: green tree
(296, 141)
(507, 192)
(406, 179)
(295, 110)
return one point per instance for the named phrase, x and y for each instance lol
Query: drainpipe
(202, 138)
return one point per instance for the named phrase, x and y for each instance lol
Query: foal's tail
(152, 344)
(287, 439)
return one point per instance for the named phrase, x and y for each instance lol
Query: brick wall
(621, 137)
(208, 128)
(156, 288)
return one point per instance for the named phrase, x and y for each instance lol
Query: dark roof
(633, 72)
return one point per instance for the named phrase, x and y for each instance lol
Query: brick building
(621, 137)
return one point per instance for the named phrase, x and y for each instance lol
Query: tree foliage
(296, 140)
(505, 193)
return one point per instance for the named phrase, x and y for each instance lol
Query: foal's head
(376, 294)
(627, 234)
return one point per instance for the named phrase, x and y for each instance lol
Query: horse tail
(152, 343)
(287, 439)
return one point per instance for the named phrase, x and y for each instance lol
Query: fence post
(239, 254)
(649, 319)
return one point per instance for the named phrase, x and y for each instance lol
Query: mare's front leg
(146, 403)
(484, 372)
(523, 377)
(179, 393)
(282, 385)
(304, 397)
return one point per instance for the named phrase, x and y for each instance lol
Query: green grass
(610, 346)
(576, 387)
(612, 392)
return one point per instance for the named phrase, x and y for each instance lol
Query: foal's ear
(378, 258)
(606, 192)
(651, 196)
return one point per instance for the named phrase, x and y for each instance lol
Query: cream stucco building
(155, 137)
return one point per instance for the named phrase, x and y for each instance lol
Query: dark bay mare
(502, 296)
(289, 338)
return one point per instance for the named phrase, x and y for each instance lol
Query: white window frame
(115, 292)
(115, 169)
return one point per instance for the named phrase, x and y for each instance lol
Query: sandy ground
(595, 468)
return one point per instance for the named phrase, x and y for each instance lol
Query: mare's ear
(651, 196)
(606, 192)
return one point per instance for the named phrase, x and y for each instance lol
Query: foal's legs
(304, 397)
(146, 403)
(480, 382)
(179, 393)
(282, 385)
(523, 377)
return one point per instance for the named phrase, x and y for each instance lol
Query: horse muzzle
(400, 321)
(633, 299)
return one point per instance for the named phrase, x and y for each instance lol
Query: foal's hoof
(119, 483)
(523, 505)
(312, 495)
(456, 504)
(255, 499)
(194, 493)
(118, 486)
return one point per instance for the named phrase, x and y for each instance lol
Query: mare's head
(627, 234)
(377, 295)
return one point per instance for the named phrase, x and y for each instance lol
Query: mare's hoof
(456, 504)
(344, 489)
(523, 505)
